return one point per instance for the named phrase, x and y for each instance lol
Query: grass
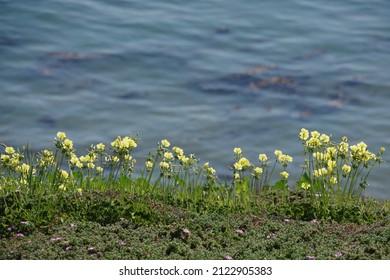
(57, 205)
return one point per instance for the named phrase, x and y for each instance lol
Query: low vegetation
(60, 205)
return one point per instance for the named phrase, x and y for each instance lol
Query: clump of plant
(334, 174)
(251, 181)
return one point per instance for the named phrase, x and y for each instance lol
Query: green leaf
(305, 178)
(281, 185)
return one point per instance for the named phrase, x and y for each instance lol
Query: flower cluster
(211, 174)
(241, 165)
(335, 165)
(166, 156)
(124, 146)
(46, 159)
(259, 173)
(51, 167)
(170, 161)
(11, 159)
(121, 160)
(64, 144)
(12, 165)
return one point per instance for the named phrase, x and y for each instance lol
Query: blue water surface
(207, 75)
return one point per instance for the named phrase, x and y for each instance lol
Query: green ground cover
(109, 231)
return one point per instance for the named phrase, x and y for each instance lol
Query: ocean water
(207, 75)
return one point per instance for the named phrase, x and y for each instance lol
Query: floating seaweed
(274, 85)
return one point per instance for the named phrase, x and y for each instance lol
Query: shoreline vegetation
(60, 205)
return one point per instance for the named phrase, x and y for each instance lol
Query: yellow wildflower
(184, 159)
(128, 157)
(64, 174)
(346, 168)
(333, 180)
(25, 168)
(315, 134)
(46, 159)
(320, 172)
(313, 142)
(244, 162)
(331, 151)
(369, 156)
(360, 152)
(47, 153)
(149, 164)
(164, 165)
(284, 175)
(116, 143)
(9, 150)
(211, 170)
(278, 153)
(318, 155)
(91, 165)
(258, 170)
(73, 160)
(237, 151)
(68, 144)
(5, 158)
(61, 135)
(305, 186)
(304, 134)
(84, 158)
(14, 162)
(127, 142)
(237, 166)
(263, 157)
(62, 187)
(343, 147)
(324, 138)
(99, 169)
(165, 143)
(362, 146)
(332, 164)
(168, 155)
(284, 159)
(178, 151)
(100, 146)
